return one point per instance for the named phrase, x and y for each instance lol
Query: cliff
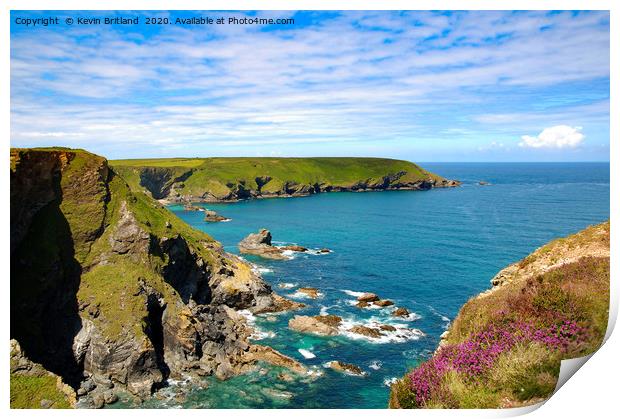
(505, 346)
(229, 179)
(111, 292)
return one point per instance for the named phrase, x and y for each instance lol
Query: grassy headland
(505, 347)
(222, 179)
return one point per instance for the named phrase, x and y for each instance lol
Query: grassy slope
(213, 174)
(27, 392)
(534, 321)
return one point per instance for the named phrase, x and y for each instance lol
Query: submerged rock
(383, 303)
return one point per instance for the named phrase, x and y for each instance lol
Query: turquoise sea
(427, 251)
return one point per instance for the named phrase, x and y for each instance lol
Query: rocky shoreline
(129, 297)
(299, 191)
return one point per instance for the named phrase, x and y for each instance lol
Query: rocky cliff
(110, 291)
(230, 179)
(505, 346)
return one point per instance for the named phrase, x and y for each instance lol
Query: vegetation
(505, 347)
(219, 176)
(35, 392)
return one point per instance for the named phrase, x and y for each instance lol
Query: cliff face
(505, 346)
(109, 290)
(229, 179)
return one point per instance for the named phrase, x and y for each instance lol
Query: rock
(88, 385)
(259, 244)
(46, 404)
(190, 207)
(346, 368)
(368, 297)
(280, 304)
(110, 397)
(310, 292)
(324, 250)
(366, 331)
(213, 217)
(483, 183)
(330, 319)
(318, 325)
(129, 237)
(98, 401)
(400, 312)
(294, 248)
(387, 328)
(273, 357)
(383, 303)
(362, 304)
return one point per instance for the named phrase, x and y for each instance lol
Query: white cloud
(559, 136)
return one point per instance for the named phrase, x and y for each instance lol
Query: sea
(427, 251)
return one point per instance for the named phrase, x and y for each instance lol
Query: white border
(593, 392)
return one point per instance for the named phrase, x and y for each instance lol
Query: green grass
(218, 176)
(27, 391)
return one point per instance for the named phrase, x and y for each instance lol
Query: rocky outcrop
(369, 299)
(345, 368)
(317, 325)
(370, 332)
(213, 217)
(400, 312)
(259, 244)
(309, 292)
(111, 292)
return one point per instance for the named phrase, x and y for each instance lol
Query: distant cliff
(228, 179)
(110, 291)
(505, 346)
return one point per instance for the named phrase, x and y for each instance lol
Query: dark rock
(383, 303)
(346, 368)
(400, 312)
(366, 331)
(387, 328)
(213, 217)
(294, 248)
(368, 297)
(310, 292)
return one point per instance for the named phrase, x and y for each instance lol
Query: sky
(417, 85)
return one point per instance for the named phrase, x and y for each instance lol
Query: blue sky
(423, 86)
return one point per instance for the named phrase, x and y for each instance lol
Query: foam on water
(306, 353)
(388, 381)
(375, 365)
(257, 332)
(353, 293)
